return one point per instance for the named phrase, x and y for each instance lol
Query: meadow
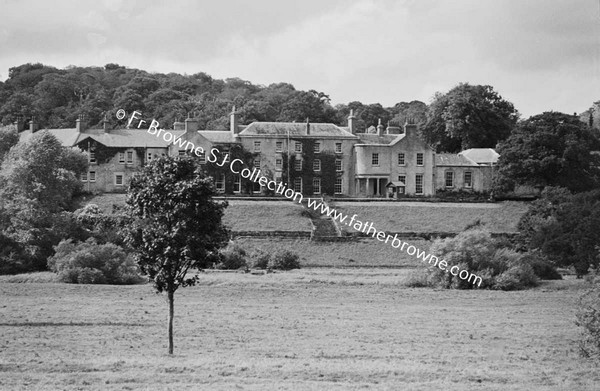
(434, 217)
(243, 215)
(312, 329)
(366, 252)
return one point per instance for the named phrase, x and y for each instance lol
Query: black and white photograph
(300, 195)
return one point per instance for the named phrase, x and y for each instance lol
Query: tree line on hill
(467, 116)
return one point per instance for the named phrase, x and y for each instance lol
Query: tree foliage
(468, 116)
(9, 137)
(41, 169)
(564, 228)
(550, 149)
(175, 224)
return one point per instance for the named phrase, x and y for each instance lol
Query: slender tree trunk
(171, 300)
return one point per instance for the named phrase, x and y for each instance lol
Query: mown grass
(434, 217)
(265, 216)
(363, 253)
(309, 330)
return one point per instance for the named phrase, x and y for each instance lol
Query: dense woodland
(57, 96)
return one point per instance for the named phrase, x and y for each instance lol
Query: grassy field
(363, 253)
(394, 217)
(308, 329)
(434, 217)
(265, 216)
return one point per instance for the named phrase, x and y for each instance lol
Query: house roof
(481, 155)
(67, 137)
(127, 138)
(395, 184)
(218, 136)
(374, 139)
(451, 159)
(295, 129)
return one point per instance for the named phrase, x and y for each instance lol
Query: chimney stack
(307, 126)
(233, 122)
(380, 128)
(191, 124)
(20, 123)
(80, 124)
(105, 123)
(32, 125)
(352, 122)
(410, 128)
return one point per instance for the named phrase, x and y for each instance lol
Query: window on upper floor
(374, 159)
(129, 157)
(92, 176)
(317, 165)
(338, 164)
(257, 163)
(278, 146)
(278, 163)
(419, 159)
(298, 146)
(338, 147)
(298, 164)
(317, 147)
(122, 157)
(401, 161)
(257, 146)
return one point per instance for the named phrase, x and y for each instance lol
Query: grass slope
(434, 217)
(254, 333)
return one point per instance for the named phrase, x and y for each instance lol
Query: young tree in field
(176, 225)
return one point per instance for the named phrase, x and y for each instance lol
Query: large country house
(311, 158)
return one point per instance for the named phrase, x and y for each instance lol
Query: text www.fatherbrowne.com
(237, 167)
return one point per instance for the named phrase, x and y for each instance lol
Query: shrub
(93, 263)
(542, 267)
(233, 257)
(284, 260)
(260, 260)
(477, 252)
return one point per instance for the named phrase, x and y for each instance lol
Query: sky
(541, 55)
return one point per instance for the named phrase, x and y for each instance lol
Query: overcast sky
(539, 54)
